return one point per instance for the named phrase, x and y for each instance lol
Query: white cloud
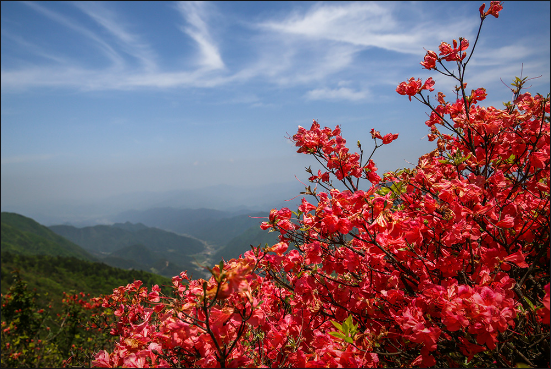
(366, 24)
(343, 93)
(195, 13)
(130, 42)
(317, 47)
(33, 48)
(520, 50)
(105, 47)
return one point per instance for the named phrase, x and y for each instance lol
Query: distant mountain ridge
(214, 226)
(90, 212)
(104, 239)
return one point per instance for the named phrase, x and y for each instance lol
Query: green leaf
(348, 326)
(337, 335)
(348, 321)
(398, 188)
(529, 303)
(383, 191)
(337, 325)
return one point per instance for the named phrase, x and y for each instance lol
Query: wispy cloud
(195, 14)
(326, 42)
(342, 93)
(33, 48)
(103, 46)
(365, 24)
(130, 43)
(315, 46)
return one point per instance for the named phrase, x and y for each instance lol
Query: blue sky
(100, 99)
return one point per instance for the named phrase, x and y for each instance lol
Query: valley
(163, 241)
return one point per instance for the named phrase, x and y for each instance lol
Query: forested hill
(52, 264)
(105, 239)
(127, 245)
(22, 235)
(50, 276)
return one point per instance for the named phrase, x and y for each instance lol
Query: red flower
(518, 259)
(544, 312)
(495, 8)
(388, 138)
(430, 60)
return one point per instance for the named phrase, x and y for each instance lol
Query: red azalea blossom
(495, 8)
(430, 60)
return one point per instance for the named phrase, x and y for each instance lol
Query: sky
(114, 98)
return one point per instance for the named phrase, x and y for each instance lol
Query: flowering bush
(446, 264)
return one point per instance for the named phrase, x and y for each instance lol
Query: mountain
(174, 220)
(130, 227)
(242, 243)
(50, 276)
(136, 246)
(52, 264)
(104, 239)
(95, 211)
(213, 226)
(145, 259)
(22, 235)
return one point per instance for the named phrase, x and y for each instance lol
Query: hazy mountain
(242, 243)
(130, 227)
(101, 210)
(136, 246)
(144, 259)
(103, 239)
(213, 226)
(22, 235)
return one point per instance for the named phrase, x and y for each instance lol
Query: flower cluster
(438, 265)
(413, 87)
(495, 8)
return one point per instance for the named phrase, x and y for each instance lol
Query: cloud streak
(130, 43)
(108, 51)
(342, 93)
(195, 13)
(317, 46)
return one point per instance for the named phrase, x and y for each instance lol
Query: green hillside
(145, 259)
(53, 275)
(52, 264)
(103, 239)
(127, 245)
(241, 244)
(22, 235)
